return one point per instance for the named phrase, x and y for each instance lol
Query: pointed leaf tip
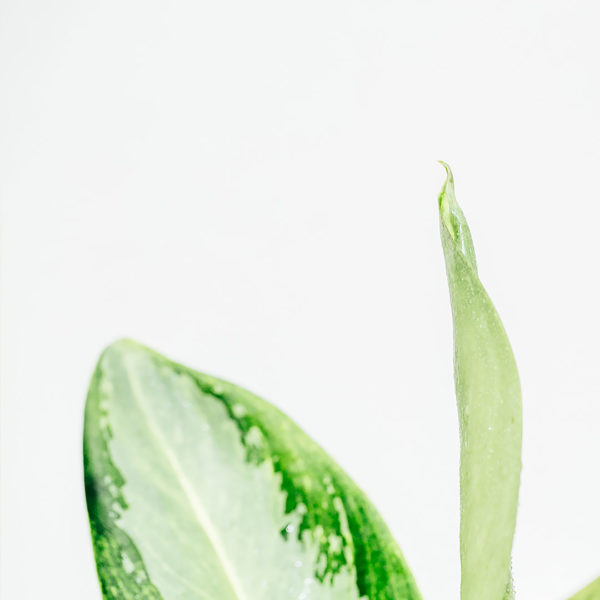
(446, 166)
(453, 220)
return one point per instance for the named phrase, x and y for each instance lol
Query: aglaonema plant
(199, 490)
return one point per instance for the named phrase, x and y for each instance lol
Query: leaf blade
(490, 416)
(299, 504)
(590, 592)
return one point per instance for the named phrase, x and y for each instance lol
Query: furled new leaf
(489, 408)
(199, 490)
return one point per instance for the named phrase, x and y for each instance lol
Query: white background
(250, 187)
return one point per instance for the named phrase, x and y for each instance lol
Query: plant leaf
(489, 408)
(590, 592)
(197, 489)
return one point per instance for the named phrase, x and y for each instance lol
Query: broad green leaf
(489, 409)
(591, 592)
(199, 490)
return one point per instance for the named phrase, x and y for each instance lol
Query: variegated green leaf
(489, 408)
(199, 490)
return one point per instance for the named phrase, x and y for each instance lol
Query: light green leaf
(591, 592)
(199, 490)
(489, 409)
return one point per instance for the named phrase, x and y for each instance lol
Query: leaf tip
(120, 347)
(453, 219)
(448, 169)
(447, 197)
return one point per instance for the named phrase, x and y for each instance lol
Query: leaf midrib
(194, 502)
